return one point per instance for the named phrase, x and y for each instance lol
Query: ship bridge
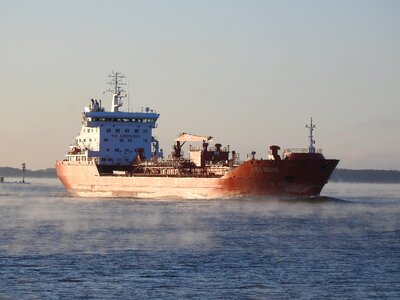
(116, 137)
(94, 117)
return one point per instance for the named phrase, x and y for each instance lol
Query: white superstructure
(115, 137)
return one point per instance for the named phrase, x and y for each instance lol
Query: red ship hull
(299, 177)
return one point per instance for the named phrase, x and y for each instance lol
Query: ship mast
(311, 127)
(116, 82)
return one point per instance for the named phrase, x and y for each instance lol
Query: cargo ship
(116, 155)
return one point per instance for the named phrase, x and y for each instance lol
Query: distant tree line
(339, 175)
(373, 176)
(14, 172)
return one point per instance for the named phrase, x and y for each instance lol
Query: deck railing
(301, 150)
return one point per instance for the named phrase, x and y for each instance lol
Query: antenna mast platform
(116, 82)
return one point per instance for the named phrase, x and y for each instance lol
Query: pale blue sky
(249, 73)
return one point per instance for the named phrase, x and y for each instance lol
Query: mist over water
(345, 244)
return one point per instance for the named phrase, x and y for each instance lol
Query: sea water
(343, 245)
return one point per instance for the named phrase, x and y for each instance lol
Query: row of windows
(126, 130)
(123, 141)
(105, 159)
(89, 140)
(90, 130)
(130, 120)
(110, 159)
(118, 130)
(128, 140)
(106, 140)
(119, 150)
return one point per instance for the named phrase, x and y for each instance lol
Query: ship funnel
(273, 152)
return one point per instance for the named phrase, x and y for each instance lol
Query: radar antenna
(116, 83)
(311, 127)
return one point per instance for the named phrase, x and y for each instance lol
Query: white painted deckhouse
(115, 137)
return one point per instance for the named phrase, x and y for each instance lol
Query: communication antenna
(311, 127)
(116, 83)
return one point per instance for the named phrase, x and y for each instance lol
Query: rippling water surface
(345, 244)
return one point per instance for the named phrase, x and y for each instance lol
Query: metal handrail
(301, 150)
